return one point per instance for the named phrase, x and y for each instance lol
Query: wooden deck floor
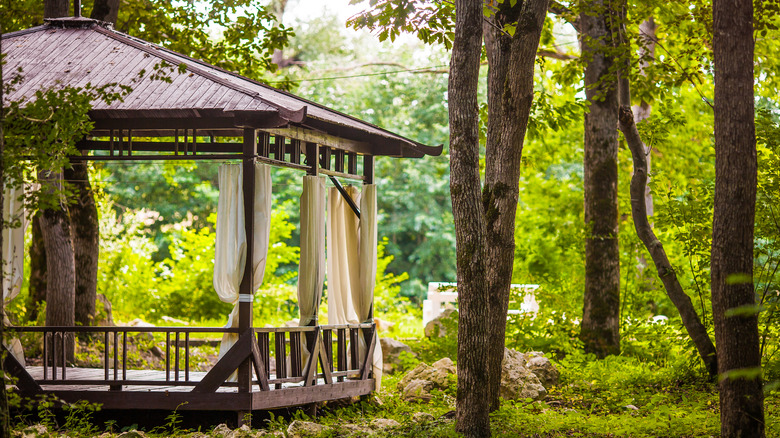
(169, 394)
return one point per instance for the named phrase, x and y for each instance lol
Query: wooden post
(368, 169)
(312, 152)
(245, 290)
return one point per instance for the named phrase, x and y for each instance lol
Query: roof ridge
(289, 114)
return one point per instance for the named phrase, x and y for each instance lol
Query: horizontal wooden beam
(321, 138)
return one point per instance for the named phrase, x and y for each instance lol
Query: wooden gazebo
(200, 113)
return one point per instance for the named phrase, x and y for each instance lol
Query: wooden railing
(300, 354)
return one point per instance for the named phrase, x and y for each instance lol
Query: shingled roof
(77, 51)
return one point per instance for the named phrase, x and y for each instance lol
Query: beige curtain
(230, 250)
(352, 262)
(311, 269)
(13, 257)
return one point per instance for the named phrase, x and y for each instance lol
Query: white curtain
(311, 269)
(230, 252)
(352, 262)
(13, 242)
(13, 256)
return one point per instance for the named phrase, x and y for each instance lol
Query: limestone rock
(443, 325)
(541, 366)
(104, 316)
(417, 390)
(517, 381)
(302, 429)
(417, 384)
(221, 431)
(354, 430)
(132, 434)
(391, 353)
(422, 417)
(34, 431)
(384, 423)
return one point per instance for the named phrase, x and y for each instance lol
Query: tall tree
(600, 329)
(510, 88)
(56, 8)
(733, 297)
(86, 241)
(105, 10)
(470, 230)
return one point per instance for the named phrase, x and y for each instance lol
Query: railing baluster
(105, 353)
(327, 339)
(168, 350)
(187, 353)
(176, 365)
(54, 356)
(263, 343)
(116, 355)
(341, 348)
(124, 355)
(45, 355)
(64, 353)
(295, 354)
(281, 357)
(353, 349)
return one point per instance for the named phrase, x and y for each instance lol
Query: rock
(417, 391)
(157, 352)
(631, 407)
(132, 434)
(221, 431)
(541, 366)
(301, 429)
(243, 432)
(443, 325)
(174, 320)
(104, 315)
(422, 417)
(384, 423)
(517, 381)
(391, 353)
(354, 430)
(34, 431)
(138, 322)
(382, 325)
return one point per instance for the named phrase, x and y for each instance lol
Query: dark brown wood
(116, 356)
(176, 358)
(168, 356)
(341, 351)
(187, 357)
(295, 153)
(352, 163)
(295, 354)
(263, 144)
(263, 341)
(245, 289)
(259, 365)
(24, 381)
(124, 356)
(310, 370)
(278, 147)
(354, 355)
(281, 354)
(106, 344)
(325, 152)
(734, 307)
(368, 169)
(338, 162)
(238, 354)
(327, 340)
(366, 370)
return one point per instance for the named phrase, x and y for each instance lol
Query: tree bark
(510, 94)
(86, 240)
(733, 297)
(56, 8)
(105, 10)
(674, 290)
(473, 389)
(61, 284)
(600, 329)
(37, 289)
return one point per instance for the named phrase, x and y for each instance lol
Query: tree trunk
(56, 8)
(60, 291)
(733, 297)
(674, 290)
(105, 10)
(600, 329)
(473, 389)
(510, 94)
(86, 239)
(37, 270)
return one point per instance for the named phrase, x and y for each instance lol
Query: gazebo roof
(77, 51)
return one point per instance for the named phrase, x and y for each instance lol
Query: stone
(541, 366)
(138, 322)
(354, 430)
(132, 434)
(422, 417)
(221, 431)
(517, 381)
(34, 431)
(443, 325)
(302, 429)
(417, 390)
(384, 423)
(104, 316)
(391, 354)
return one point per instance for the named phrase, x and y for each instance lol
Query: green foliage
(431, 22)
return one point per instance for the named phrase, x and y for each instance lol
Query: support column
(245, 290)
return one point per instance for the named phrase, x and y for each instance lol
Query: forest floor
(613, 397)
